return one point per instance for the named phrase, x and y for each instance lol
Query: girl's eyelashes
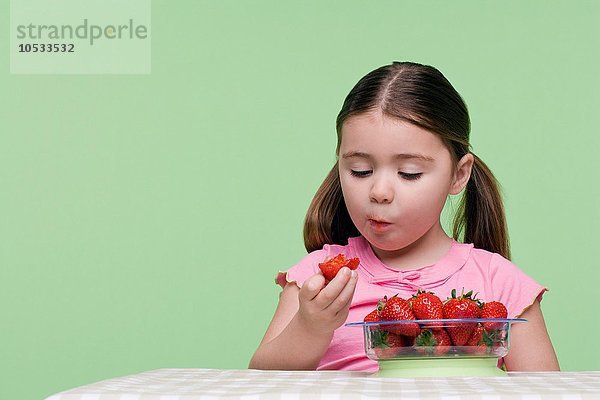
(404, 175)
(410, 177)
(359, 173)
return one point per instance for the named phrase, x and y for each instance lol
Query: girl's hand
(324, 308)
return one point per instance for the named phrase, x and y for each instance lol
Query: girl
(403, 147)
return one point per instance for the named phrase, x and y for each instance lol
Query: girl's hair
(421, 95)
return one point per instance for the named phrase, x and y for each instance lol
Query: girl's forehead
(374, 132)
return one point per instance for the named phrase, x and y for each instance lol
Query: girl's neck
(427, 250)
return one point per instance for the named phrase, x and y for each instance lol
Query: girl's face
(395, 178)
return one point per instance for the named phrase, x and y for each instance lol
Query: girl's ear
(462, 174)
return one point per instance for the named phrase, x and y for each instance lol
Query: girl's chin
(383, 244)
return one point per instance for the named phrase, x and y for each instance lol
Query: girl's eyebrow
(402, 156)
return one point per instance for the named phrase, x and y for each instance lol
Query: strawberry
(493, 309)
(483, 341)
(331, 266)
(386, 344)
(475, 342)
(373, 316)
(397, 308)
(433, 342)
(426, 305)
(463, 307)
(476, 336)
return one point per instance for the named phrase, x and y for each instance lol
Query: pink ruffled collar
(428, 277)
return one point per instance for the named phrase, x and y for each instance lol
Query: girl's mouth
(379, 226)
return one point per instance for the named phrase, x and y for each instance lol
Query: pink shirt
(490, 275)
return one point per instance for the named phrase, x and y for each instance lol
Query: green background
(145, 216)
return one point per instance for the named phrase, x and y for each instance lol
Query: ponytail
(480, 215)
(327, 220)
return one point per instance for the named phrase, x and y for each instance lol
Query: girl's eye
(404, 175)
(359, 173)
(410, 177)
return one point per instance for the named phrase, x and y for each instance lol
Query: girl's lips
(379, 226)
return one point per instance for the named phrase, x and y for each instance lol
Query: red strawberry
(373, 316)
(386, 344)
(463, 307)
(426, 305)
(475, 342)
(397, 308)
(476, 337)
(331, 266)
(493, 309)
(483, 341)
(433, 342)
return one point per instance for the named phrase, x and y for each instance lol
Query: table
(205, 384)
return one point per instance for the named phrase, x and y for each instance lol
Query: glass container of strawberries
(423, 336)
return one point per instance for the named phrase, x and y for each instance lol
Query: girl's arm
(304, 321)
(530, 345)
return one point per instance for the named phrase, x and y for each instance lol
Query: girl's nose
(382, 191)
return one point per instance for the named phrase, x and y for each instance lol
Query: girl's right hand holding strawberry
(302, 327)
(323, 307)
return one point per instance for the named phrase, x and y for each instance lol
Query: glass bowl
(441, 347)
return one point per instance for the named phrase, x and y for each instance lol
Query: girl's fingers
(344, 298)
(333, 289)
(311, 288)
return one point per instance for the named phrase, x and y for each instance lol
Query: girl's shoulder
(497, 269)
(504, 281)
(490, 259)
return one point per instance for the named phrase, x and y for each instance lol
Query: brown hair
(421, 95)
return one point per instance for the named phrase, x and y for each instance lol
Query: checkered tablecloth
(204, 384)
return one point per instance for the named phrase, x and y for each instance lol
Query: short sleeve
(513, 287)
(300, 272)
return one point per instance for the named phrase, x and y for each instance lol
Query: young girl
(403, 147)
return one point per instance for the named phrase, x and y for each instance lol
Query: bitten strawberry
(433, 342)
(463, 307)
(397, 308)
(426, 305)
(493, 309)
(331, 266)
